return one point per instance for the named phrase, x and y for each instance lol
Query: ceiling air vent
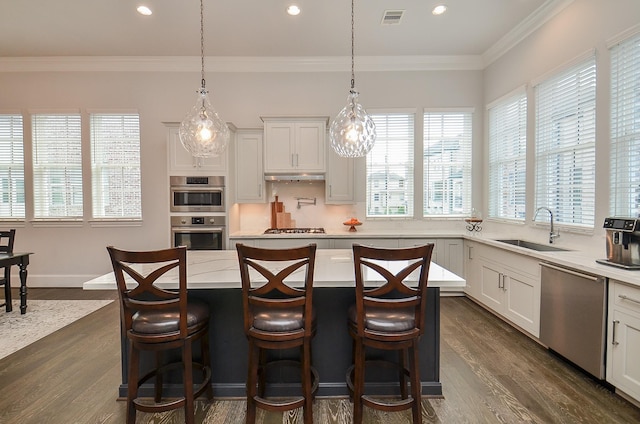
(392, 17)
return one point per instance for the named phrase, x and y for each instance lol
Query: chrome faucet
(552, 234)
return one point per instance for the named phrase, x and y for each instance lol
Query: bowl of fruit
(352, 223)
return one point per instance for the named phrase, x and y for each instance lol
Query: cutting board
(276, 207)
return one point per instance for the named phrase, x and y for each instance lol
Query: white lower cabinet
(505, 282)
(448, 253)
(623, 338)
(346, 243)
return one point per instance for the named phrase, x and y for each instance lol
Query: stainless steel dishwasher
(573, 316)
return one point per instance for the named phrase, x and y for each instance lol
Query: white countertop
(219, 270)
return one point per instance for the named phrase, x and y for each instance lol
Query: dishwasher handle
(569, 271)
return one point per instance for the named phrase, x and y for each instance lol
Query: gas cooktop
(294, 231)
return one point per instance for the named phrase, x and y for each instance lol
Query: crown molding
(238, 64)
(534, 21)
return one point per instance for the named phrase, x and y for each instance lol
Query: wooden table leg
(23, 287)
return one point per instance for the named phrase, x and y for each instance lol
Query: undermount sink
(533, 246)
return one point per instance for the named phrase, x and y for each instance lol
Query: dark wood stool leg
(402, 377)
(132, 388)
(158, 380)
(416, 387)
(358, 384)
(206, 361)
(187, 360)
(307, 382)
(252, 380)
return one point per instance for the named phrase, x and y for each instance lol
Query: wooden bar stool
(7, 239)
(156, 319)
(389, 316)
(278, 315)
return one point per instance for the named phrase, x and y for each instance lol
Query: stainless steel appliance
(199, 232)
(294, 231)
(623, 242)
(573, 316)
(197, 194)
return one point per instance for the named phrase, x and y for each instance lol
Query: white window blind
(11, 167)
(507, 157)
(390, 166)
(447, 163)
(115, 166)
(57, 166)
(565, 144)
(625, 128)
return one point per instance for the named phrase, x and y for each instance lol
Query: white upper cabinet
(339, 179)
(294, 144)
(181, 162)
(250, 187)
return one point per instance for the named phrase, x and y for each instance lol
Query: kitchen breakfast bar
(214, 277)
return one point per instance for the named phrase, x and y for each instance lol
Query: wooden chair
(7, 239)
(156, 319)
(278, 315)
(389, 316)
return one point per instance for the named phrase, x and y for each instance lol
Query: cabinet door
(491, 283)
(453, 255)
(309, 146)
(279, 146)
(522, 302)
(472, 270)
(182, 163)
(339, 179)
(435, 256)
(250, 187)
(624, 370)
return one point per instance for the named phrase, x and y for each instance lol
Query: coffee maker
(623, 242)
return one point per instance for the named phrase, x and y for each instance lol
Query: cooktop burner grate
(294, 231)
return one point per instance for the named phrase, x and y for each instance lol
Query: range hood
(294, 177)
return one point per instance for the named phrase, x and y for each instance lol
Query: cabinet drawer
(626, 296)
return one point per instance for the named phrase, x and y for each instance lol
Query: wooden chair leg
(307, 382)
(358, 383)
(132, 383)
(402, 377)
(416, 387)
(252, 380)
(187, 382)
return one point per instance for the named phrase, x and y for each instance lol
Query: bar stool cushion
(279, 320)
(159, 322)
(385, 320)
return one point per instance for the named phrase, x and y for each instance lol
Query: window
(115, 166)
(447, 163)
(625, 128)
(390, 166)
(57, 166)
(11, 167)
(565, 144)
(507, 157)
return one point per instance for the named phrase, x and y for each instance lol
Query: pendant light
(352, 133)
(202, 132)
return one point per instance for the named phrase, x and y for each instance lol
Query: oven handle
(198, 229)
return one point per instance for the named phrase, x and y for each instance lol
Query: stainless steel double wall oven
(198, 212)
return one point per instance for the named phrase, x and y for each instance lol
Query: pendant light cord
(353, 77)
(202, 42)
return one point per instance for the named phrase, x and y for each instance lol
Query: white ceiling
(254, 28)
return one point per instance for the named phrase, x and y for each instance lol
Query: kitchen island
(214, 277)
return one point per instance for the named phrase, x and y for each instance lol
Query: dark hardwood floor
(490, 373)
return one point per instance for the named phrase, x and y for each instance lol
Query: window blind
(390, 166)
(57, 166)
(11, 167)
(447, 163)
(115, 166)
(507, 157)
(625, 128)
(565, 144)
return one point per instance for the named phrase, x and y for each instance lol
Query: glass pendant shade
(202, 132)
(352, 133)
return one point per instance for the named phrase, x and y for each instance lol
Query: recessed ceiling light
(439, 10)
(144, 10)
(293, 10)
